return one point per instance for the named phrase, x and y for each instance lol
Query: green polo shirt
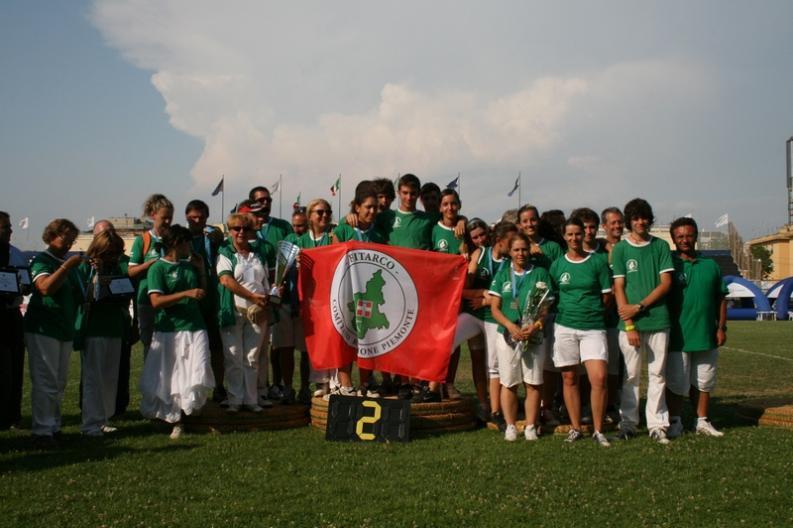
(53, 315)
(272, 233)
(580, 286)
(550, 252)
(444, 241)
(307, 240)
(694, 302)
(524, 282)
(408, 230)
(641, 266)
(486, 268)
(108, 318)
(137, 257)
(167, 277)
(345, 232)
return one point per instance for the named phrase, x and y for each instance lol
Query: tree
(763, 254)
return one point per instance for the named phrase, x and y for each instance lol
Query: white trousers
(99, 370)
(241, 359)
(48, 360)
(654, 345)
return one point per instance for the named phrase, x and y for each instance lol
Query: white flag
(90, 222)
(24, 223)
(274, 188)
(723, 220)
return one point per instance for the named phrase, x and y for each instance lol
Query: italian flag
(384, 307)
(335, 187)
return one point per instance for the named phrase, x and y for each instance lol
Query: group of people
(213, 323)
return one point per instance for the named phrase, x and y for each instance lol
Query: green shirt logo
(564, 278)
(632, 265)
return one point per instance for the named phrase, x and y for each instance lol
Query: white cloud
(277, 90)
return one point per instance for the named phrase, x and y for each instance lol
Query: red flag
(385, 307)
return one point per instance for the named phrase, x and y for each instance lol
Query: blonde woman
(244, 305)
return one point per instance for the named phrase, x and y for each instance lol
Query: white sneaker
(601, 439)
(511, 434)
(573, 436)
(659, 435)
(705, 428)
(530, 432)
(109, 429)
(177, 431)
(675, 429)
(322, 390)
(341, 391)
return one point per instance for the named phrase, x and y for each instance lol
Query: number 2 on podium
(368, 420)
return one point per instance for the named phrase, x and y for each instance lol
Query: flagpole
(520, 188)
(459, 185)
(280, 196)
(339, 209)
(223, 202)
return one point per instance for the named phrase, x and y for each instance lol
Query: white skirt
(177, 376)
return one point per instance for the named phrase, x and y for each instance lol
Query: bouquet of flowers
(536, 303)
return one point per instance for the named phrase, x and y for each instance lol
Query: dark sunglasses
(321, 212)
(240, 228)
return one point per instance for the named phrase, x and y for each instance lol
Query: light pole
(788, 149)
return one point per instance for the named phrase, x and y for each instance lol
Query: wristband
(630, 328)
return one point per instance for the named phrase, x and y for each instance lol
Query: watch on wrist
(641, 307)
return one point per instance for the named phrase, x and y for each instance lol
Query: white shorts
(691, 369)
(288, 331)
(574, 347)
(491, 338)
(514, 369)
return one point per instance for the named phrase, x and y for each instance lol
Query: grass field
(138, 477)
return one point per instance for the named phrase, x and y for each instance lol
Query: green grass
(295, 478)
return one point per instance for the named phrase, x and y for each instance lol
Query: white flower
(541, 285)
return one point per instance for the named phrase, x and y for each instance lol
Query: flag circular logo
(632, 265)
(564, 278)
(373, 302)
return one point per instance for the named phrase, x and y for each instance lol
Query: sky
(687, 104)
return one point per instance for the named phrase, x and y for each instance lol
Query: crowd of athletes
(204, 315)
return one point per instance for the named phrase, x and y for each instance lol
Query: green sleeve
(554, 271)
(342, 232)
(155, 279)
(665, 257)
(604, 276)
(618, 260)
(136, 256)
(40, 266)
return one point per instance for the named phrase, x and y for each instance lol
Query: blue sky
(687, 104)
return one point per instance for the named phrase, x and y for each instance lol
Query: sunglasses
(321, 212)
(266, 199)
(240, 228)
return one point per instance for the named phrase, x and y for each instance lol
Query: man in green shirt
(642, 266)
(406, 227)
(205, 244)
(699, 326)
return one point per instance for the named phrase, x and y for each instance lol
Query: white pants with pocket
(691, 369)
(48, 360)
(654, 346)
(99, 372)
(241, 359)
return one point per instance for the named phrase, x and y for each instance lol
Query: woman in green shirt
(104, 320)
(177, 377)
(583, 283)
(518, 364)
(49, 326)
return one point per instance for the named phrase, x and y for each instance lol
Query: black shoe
(626, 434)
(288, 396)
(426, 396)
(498, 419)
(219, 394)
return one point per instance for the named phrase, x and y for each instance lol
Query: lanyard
(489, 254)
(323, 241)
(516, 285)
(363, 236)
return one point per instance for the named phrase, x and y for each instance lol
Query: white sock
(702, 420)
